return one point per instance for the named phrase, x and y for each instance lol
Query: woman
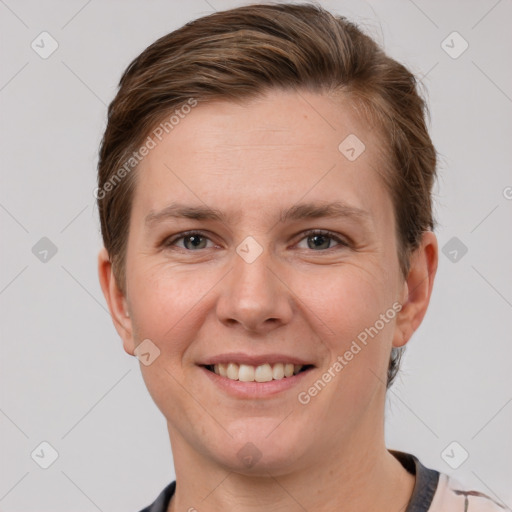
(264, 192)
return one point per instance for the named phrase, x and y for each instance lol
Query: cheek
(347, 314)
(347, 298)
(166, 304)
(167, 309)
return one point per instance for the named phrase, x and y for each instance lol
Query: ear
(417, 289)
(116, 301)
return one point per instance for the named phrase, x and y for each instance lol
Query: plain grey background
(65, 379)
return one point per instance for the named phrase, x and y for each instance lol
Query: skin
(250, 161)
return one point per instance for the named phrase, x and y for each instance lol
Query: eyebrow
(310, 210)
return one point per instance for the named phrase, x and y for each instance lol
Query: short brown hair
(241, 53)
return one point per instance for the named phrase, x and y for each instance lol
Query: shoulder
(438, 492)
(451, 495)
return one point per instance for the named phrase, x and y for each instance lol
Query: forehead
(272, 150)
(280, 123)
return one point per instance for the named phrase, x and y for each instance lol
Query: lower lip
(246, 390)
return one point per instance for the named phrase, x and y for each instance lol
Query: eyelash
(169, 242)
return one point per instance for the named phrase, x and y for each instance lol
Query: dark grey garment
(421, 499)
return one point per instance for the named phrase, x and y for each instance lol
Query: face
(255, 244)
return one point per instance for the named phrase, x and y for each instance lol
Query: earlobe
(417, 289)
(116, 301)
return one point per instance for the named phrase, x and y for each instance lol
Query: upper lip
(253, 360)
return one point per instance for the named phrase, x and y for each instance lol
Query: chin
(264, 446)
(250, 461)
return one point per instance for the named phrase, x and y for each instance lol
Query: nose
(254, 296)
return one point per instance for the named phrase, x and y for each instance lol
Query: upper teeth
(262, 373)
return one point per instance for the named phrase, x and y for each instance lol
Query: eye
(192, 240)
(321, 239)
(317, 240)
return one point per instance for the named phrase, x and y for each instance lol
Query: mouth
(265, 372)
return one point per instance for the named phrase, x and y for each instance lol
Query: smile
(262, 373)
